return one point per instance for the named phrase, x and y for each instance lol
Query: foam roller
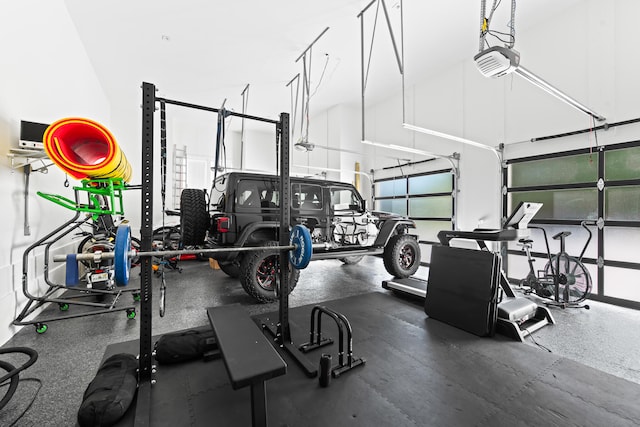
(84, 148)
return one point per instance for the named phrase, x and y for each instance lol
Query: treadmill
(518, 317)
(413, 286)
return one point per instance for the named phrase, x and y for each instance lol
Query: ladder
(179, 173)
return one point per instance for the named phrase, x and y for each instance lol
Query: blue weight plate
(121, 260)
(301, 239)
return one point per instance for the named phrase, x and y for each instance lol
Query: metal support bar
(366, 7)
(245, 102)
(143, 405)
(131, 254)
(259, 404)
(281, 331)
(544, 85)
(27, 174)
(362, 74)
(604, 127)
(311, 45)
(399, 56)
(297, 76)
(483, 16)
(393, 39)
(285, 219)
(294, 105)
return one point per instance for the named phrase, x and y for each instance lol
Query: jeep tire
(194, 218)
(259, 273)
(402, 256)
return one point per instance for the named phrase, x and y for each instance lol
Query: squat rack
(282, 333)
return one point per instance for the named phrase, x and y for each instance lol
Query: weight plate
(121, 260)
(300, 256)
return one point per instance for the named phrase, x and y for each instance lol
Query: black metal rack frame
(282, 331)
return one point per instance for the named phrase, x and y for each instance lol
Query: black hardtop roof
(238, 175)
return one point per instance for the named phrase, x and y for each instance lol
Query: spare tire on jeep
(402, 255)
(194, 217)
(259, 274)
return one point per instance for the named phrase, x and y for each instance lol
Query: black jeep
(244, 211)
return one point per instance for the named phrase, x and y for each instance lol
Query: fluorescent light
(401, 148)
(498, 61)
(537, 81)
(446, 136)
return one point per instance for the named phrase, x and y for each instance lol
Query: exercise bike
(565, 282)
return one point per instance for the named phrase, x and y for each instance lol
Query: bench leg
(259, 404)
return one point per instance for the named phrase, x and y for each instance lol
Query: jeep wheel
(353, 259)
(231, 269)
(259, 272)
(402, 256)
(194, 218)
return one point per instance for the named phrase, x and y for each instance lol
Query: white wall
(45, 76)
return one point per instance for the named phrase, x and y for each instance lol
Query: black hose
(12, 371)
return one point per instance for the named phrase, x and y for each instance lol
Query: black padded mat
(419, 371)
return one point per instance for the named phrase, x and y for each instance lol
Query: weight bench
(248, 355)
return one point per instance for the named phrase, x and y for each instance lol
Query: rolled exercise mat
(85, 149)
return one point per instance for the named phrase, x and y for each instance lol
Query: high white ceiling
(206, 51)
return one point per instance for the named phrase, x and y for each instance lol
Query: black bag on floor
(111, 392)
(186, 345)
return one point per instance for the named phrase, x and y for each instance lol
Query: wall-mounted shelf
(21, 157)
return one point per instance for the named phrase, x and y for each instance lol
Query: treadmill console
(515, 227)
(522, 215)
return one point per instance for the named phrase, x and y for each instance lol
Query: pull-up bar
(216, 110)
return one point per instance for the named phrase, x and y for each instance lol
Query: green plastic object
(97, 190)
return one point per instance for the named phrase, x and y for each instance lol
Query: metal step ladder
(179, 173)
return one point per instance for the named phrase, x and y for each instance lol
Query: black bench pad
(248, 355)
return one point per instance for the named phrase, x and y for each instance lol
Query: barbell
(299, 251)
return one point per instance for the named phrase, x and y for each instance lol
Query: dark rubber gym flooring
(418, 371)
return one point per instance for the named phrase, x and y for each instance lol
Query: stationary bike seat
(562, 234)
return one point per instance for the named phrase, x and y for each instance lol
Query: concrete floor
(605, 337)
